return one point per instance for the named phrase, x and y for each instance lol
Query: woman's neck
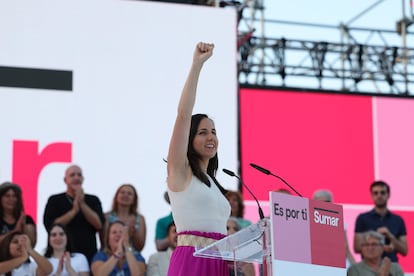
(204, 165)
(9, 217)
(123, 212)
(58, 253)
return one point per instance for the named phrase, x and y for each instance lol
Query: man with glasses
(382, 220)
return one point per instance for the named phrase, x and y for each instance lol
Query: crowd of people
(74, 221)
(202, 212)
(379, 236)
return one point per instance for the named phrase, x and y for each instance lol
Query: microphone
(261, 215)
(260, 169)
(265, 171)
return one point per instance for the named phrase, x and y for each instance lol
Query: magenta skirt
(183, 263)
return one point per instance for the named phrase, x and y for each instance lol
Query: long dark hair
(194, 157)
(4, 188)
(5, 249)
(49, 248)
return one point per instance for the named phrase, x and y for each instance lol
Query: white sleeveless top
(200, 208)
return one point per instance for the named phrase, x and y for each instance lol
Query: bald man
(80, 213)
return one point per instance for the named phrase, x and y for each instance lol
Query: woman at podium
(200, 209)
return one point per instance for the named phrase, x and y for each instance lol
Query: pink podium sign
(307, 236)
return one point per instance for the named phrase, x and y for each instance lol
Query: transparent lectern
(251, 244)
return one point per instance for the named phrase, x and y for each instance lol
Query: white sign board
(124, 64)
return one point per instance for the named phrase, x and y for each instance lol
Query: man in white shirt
(159, 262)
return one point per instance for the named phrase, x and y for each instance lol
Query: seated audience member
(237, 207)
(325, 195)
(382, 220)
(243, 269)
(19, 258)
(125, 209)
(59, 252)
(12, 216)
(158, 262)
(162, 242)
(372, 248)
(118, 257)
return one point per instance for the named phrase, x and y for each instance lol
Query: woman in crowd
(12, 216)
(60, 255)
(237, 208)
(125, 209)
(16, 253)
(243, 269)
(118, 257)
(199, 207)
(372, 263)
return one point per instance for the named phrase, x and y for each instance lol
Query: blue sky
(383, 15)
(366, 14)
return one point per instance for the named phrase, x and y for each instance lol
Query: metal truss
(353, 64)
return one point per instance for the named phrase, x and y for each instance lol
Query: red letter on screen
(28, 163)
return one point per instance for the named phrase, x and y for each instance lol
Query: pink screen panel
(340, 142)
(312, 140)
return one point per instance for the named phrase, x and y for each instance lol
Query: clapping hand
(21, 222)
(67, 262)
(60, 265)
(79, 199)
(131, 226)
(125, 237)
(119, 251)
(387, 234)
(385, 268)
(26, 245)
(25, 241)
(384, 231)
(79, 195)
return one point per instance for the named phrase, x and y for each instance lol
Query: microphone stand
(261, 215)
(265, 225)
